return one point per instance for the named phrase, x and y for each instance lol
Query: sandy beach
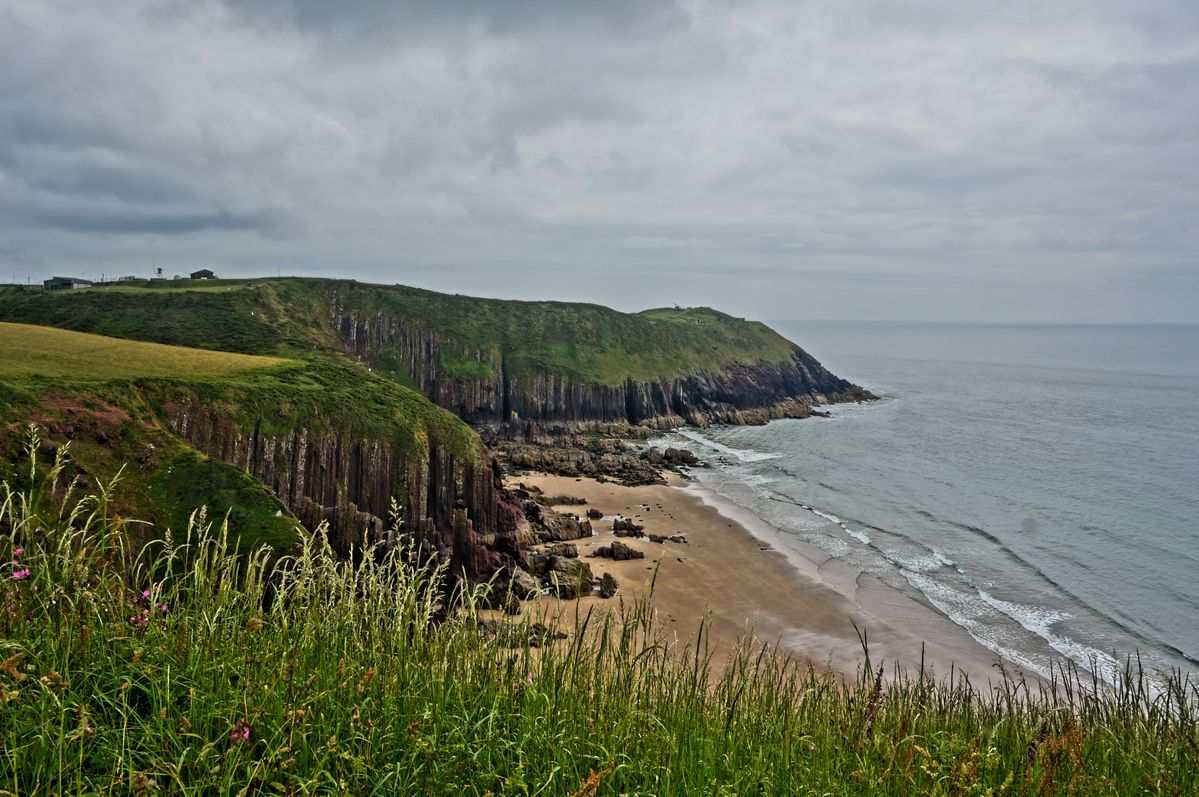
(734, 570)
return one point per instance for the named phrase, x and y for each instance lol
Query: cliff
(489, 361)
(453, 506)
(350, 409)
(267, 439)
(504, 375)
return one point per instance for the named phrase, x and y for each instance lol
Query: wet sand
(735, 570)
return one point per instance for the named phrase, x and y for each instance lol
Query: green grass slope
(38, 353)
(225, 317)
(585, 342)
(114, 399)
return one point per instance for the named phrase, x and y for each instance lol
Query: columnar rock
(351, 481)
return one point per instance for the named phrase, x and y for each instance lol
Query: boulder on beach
(679, 456)
(608, 585)
(618, 551)
(523, 584)
(539, 560)
(620, 524)
(569, 578)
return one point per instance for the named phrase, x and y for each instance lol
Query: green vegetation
(118, 400)
(584, 342)
(190, 669)
(319, 391)
(188, 480)
(288, 317)
(38, 353)
(232, 320)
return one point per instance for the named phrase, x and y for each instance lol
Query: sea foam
(743, 454)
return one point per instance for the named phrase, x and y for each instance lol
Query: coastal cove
(736, 574)
(1024, 481)
(623, 399)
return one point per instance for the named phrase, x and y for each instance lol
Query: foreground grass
(192, 668)
(33, 352)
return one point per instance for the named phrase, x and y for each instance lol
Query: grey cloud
(870, 157)
(418, 16)
(127, 220)
(115, 181)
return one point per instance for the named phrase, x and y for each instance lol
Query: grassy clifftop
(585, 342)
(321, 391)
(119, 403)
(36, 352)
(222, 320)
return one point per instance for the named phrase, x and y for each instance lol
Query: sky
(1031, 160)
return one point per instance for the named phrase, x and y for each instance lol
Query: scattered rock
(618, 551)
(539, 559)
(564, 500)
(498, 595)
(594, 514)
(624, 524)
(514, 635)
(569, 578)
(523, 584)
(549, 525)
(679, 456)
(608, 585)
(671, 457)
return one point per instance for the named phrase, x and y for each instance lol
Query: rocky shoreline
(550, 563)
(719, 571)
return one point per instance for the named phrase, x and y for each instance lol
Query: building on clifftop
(65, 284)
(203, 274)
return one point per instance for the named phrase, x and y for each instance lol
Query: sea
(1037, 485)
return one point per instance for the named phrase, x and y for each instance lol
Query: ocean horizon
(1032, 482)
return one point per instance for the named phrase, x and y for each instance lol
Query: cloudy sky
(936, 159)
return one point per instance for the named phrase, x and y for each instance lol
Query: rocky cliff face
(457, 509)
(739, 394)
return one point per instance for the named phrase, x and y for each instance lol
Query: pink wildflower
(242, 735)
(21, 575)
(17, 553)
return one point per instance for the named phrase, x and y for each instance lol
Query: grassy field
(38, 352)
(194, 669)
(116, 400)
(585, 342)
(218, 320)
(323, 391)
